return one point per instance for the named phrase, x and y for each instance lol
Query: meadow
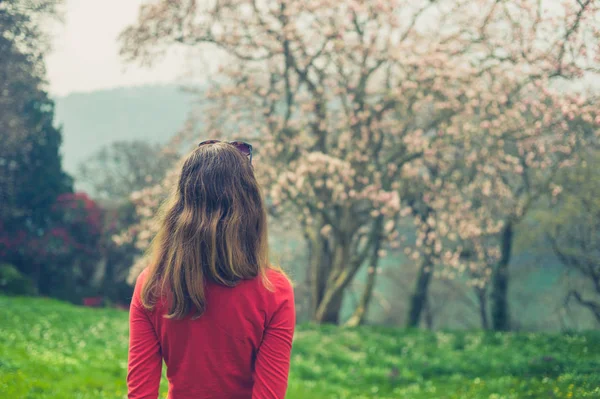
(54, 350)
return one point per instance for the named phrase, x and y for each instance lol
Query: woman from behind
(209, 303)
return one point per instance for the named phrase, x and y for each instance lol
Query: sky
(85, 54)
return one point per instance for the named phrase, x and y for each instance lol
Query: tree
(68, 253)
(352, 101)
(31, 176)
(117, 170)
(572, 229)
(60, 259)
(516, 144)
(472, 215)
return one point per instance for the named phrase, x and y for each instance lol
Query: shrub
(12, 282)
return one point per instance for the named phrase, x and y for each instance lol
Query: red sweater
(238, 349)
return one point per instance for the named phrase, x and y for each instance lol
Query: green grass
(49, 349)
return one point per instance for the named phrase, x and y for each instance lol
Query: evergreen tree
(31, 176)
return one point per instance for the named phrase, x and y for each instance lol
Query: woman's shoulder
(281, 292)
(278, 286)
(273, 283)
(278, 279)
(139, 282)
(141, 278)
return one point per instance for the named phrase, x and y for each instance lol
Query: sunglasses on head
(242, 147)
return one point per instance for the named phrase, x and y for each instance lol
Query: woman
(210, 304)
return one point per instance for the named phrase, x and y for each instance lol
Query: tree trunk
(320, 266)
(428, 314)
(328, 311)
(309, 273)
(419, 297)
(482, 302)
(360, 312)
(593, 307)
(101, 273)
(336, 266)
(500, 315)
(108, 284)
(334, 273)
(36, 277)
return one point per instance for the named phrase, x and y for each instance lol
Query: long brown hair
(212, 228)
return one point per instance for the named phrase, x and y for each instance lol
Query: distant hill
(94, 119)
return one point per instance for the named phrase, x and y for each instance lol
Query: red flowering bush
(61, 258)
(79, 225)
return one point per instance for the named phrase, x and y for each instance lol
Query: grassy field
(50, 349)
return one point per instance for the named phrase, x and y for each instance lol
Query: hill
(53, 350)
(94, 119)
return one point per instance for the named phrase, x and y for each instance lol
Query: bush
(12, 282)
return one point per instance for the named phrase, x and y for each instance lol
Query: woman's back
(209, 303)
(239, 348)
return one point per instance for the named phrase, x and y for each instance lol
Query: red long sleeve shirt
(238, 349)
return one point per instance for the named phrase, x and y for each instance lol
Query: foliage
(570, 224)
(354, 103)
(117, 258)
(30, 165)
(31, 176)
(71, 250)
(80, 216)
(61, 258)
(54, 350)
(14, 283)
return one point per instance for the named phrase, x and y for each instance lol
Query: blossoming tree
(466, 210)
(569, 225)
(350, 101)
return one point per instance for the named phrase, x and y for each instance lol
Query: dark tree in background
(31, 176)
(113, 268)
(68, 253)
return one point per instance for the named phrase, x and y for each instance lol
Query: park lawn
(50, 349)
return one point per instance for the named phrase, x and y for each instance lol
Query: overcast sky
(85, 51)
